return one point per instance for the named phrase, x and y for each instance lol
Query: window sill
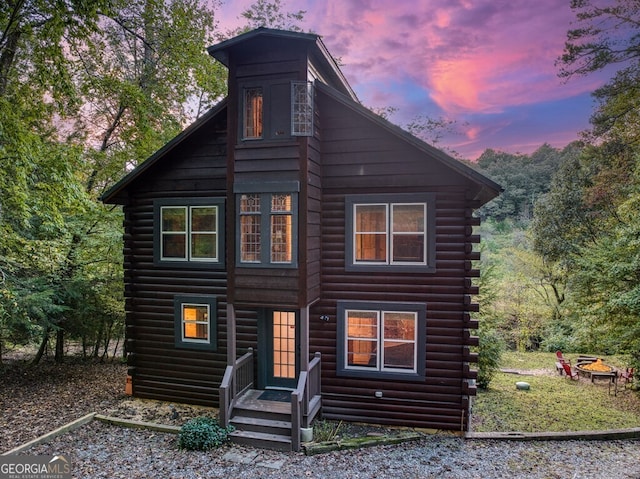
(397, 377)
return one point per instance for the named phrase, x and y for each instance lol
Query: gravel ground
(98, 450)
(36, 401)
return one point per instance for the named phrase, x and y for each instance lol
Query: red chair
(626, 376)
(571, 373)
(561, 358)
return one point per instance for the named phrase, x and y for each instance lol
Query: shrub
(489, 353)
(325, 430)
(202, 434)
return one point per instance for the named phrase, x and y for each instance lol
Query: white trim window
(390, 233)
(189, 233)
(195, 322)
(384, 341)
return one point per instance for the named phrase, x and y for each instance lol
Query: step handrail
(308, 387)
(238, 378)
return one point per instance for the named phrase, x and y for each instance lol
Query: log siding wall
(379, 163)
(160, 370)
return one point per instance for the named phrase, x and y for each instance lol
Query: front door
(281, 331)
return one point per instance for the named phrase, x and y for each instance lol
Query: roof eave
(109, 196)
(488, 190)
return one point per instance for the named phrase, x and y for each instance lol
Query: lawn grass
(553, 403)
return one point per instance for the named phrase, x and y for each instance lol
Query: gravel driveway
(34, 401)
(98, 450)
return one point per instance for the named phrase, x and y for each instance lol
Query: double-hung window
(381, 339)
(189, 231)
(393, 231)
(267, 228)
(195, 322)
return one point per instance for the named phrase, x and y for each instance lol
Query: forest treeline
(89, 89)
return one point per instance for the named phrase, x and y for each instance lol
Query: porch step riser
(243, 423)
(262, 440)
(253, 413)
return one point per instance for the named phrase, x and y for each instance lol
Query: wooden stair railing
(237, 379)
(307, 391)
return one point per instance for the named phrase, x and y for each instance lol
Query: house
(291, 242)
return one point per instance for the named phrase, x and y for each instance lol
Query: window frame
(304, 110)
(266, 191)
(189, 261)
(389, 201)
(245, 117)
(344, 370)
(211, 343)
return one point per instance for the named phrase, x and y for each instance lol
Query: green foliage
(202, 434)
(553, 403)
(270, 14)
(607, 34)
(524, 179)
(326, 430)
(489, 354)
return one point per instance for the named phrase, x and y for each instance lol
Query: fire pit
(597, 369)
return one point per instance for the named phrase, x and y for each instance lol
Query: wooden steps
(262, 424)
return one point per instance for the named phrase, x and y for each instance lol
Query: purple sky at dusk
(487, 64)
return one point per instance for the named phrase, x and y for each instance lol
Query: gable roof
(111, 195)
(222, 52)
(487, 188)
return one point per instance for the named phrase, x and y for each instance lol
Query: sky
(488, 65)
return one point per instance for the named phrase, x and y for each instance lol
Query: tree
(269, 14)
(608, 36)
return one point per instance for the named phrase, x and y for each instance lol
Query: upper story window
(189, 231)
(253, 113)
(302, 108)
(274, 109)
(267, 227)
(389, 231)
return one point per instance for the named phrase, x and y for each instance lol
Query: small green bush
(489, 354)
(202, 434)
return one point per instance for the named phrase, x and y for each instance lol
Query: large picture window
(394, 231)
(381, 339)
(195, 322)
(189, 231)
(267, 228)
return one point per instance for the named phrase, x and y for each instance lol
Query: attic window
(302, 109)
(253, 119)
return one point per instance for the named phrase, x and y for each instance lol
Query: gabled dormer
(271, 78)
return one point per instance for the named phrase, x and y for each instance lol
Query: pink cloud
(470, 56)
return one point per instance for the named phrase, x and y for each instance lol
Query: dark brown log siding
(160, 370)
(379, 163)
